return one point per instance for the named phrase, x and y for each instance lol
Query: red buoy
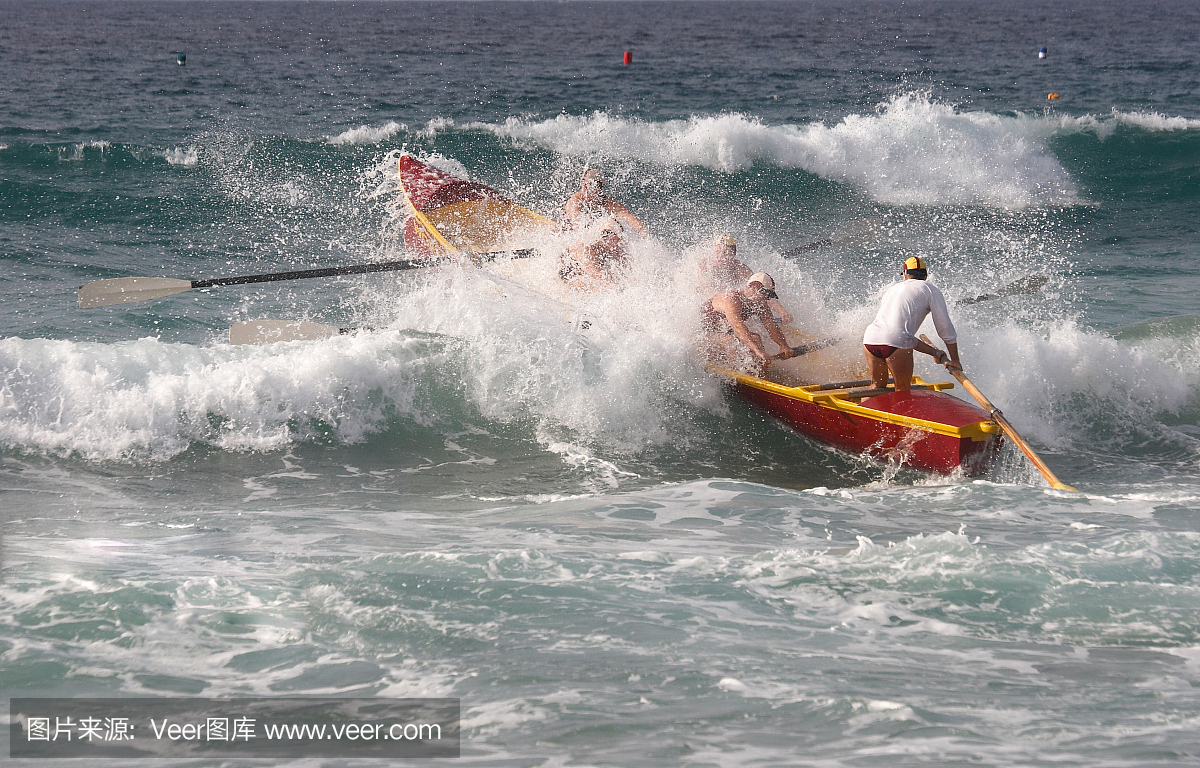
(628, 58)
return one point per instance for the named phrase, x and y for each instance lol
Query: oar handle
(1008, 428)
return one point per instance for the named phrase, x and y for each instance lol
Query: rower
(722, 270)
(723, 319)
(595, 263)
(590, 204)
(889, 342)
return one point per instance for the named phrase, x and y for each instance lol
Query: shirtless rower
(724, 316)
(596, 264)
(590, 204)
(722, 270)
(889, 342)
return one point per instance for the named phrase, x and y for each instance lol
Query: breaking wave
(184, 157)
(144, 399)
(368, 134)
(911, 151)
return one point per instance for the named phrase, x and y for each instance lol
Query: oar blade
(858, 232)
(1023, 287)
(271, 331)
(128, 290)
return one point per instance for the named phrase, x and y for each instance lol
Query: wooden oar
(854, 233)
(1008, 428)
(1022, 287)
(127, 290)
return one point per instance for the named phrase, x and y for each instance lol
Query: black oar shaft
(859, 394)
(354, 269)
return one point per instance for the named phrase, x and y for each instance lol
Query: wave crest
(368, 134)
(911, 151)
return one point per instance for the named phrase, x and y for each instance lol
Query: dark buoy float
(181, 59)
(628, 59)
(1042, 52)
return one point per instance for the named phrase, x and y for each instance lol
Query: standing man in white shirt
(889, 341)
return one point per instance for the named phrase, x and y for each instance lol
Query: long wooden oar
(1024, 286)
(855, 233)
(127, 290)
(1008, 428)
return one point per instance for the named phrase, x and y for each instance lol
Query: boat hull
(974, 452)
(448, 216)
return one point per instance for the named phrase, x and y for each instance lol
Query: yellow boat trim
(427, 228)
(837, 400)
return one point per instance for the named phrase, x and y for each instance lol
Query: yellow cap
(726, 240)
(914, 262)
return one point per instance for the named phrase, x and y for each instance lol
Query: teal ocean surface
(608, 558)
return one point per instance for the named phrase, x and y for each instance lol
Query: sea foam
(148, 400)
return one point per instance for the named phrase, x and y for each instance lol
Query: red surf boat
(922, 428)
(449, 216)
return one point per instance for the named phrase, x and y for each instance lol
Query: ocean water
(610, 560)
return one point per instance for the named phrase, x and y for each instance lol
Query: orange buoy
(628, 58)
(1051, 96)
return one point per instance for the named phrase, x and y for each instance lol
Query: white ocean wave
(911, 151)
(435, 126)
(148, 400)
(368, 134)
(184, 157)
(78, 151)
(1154, 121)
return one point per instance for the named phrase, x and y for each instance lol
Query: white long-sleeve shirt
(904, 307)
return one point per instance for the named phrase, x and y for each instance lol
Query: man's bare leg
(879, 370)
(901, 363)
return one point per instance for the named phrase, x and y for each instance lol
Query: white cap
(763, 279)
